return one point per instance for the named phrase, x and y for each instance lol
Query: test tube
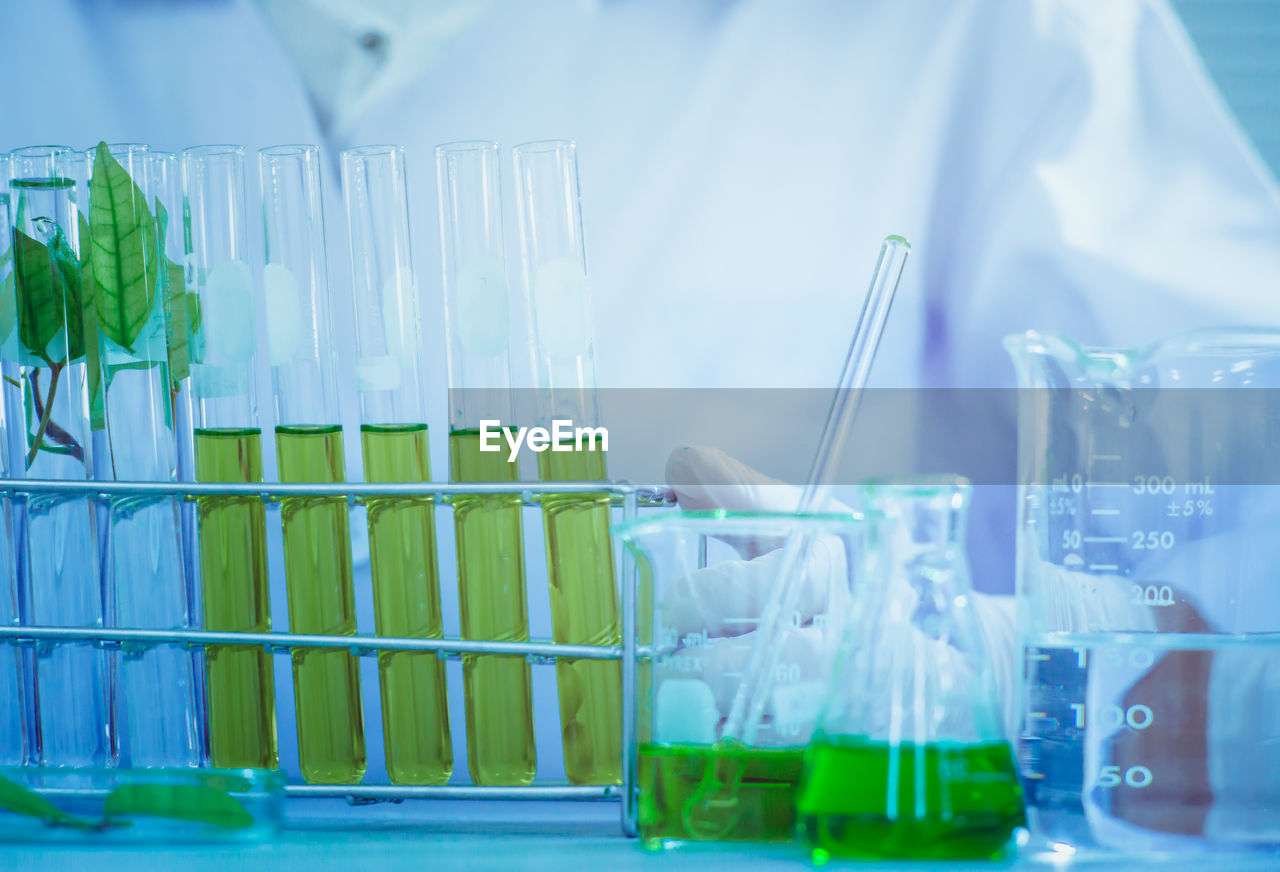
(393, 441)
(239, 679)
(182, 317)
(62, 582)
(488, 528)
(309, 450)
(584, 593)
(130, 272)
(13, 738)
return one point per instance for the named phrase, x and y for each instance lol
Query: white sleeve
(1132, 207)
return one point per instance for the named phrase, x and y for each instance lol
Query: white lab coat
(1057, 164)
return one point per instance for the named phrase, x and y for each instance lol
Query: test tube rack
(626, 497)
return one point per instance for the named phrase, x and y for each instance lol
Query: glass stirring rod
(757, 683)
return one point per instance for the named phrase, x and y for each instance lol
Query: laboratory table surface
(468, 835)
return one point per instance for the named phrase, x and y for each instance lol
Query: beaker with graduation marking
(704, 579)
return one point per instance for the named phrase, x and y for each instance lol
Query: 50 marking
(1134, 776)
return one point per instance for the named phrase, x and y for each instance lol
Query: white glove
(726, 599)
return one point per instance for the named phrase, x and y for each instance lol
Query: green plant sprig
(110, 290)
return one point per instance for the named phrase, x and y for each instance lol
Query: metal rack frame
(630, 497)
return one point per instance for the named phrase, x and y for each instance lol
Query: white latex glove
(725, 599)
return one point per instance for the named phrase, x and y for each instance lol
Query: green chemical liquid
(406, 598)
(239, 679)
(317, 563)
(584, 611)
(721, 793)
(940, 802)
(491, 594)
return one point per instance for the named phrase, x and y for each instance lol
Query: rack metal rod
(630, 741)
(626, 496)
(281, 642)
(351, 490)
(605, 793)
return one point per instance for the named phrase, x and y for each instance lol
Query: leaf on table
(122, 249)
(187, 802)
(17, 799)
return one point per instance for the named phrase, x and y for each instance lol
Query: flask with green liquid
(309, 450)
(910, 758)
(584, 592)
(394, 446)
(488, 527)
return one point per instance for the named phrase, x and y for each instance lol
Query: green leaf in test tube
(122, 250)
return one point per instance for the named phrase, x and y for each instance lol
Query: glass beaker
(704, 578)
(909, 757)
(1148, 607)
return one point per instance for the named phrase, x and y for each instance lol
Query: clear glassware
(394, 448)
(234, 586)
(909, 758)
(13, 736)
(704, 576)
(1148, 609)
(309, 449)
(62, 583)
(133, 402)
(489, 528)
(584, 589)
(103, 807)
(182, 320)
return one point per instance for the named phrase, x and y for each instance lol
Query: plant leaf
(122, 250)
(187, 802)
(40, 293)
(97, 401)
(177, 332)
(17, 799)
(8, 290)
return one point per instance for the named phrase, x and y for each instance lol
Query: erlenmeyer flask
(909, 758)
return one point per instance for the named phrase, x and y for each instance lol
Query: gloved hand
(726, 599)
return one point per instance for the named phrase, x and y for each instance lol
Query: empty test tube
(133, 400)
(13, 738)
(62, 584)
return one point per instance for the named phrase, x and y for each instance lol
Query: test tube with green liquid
(239, 679)
(584, 594)
(309, 450)
(394, 446)
(488, 528)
